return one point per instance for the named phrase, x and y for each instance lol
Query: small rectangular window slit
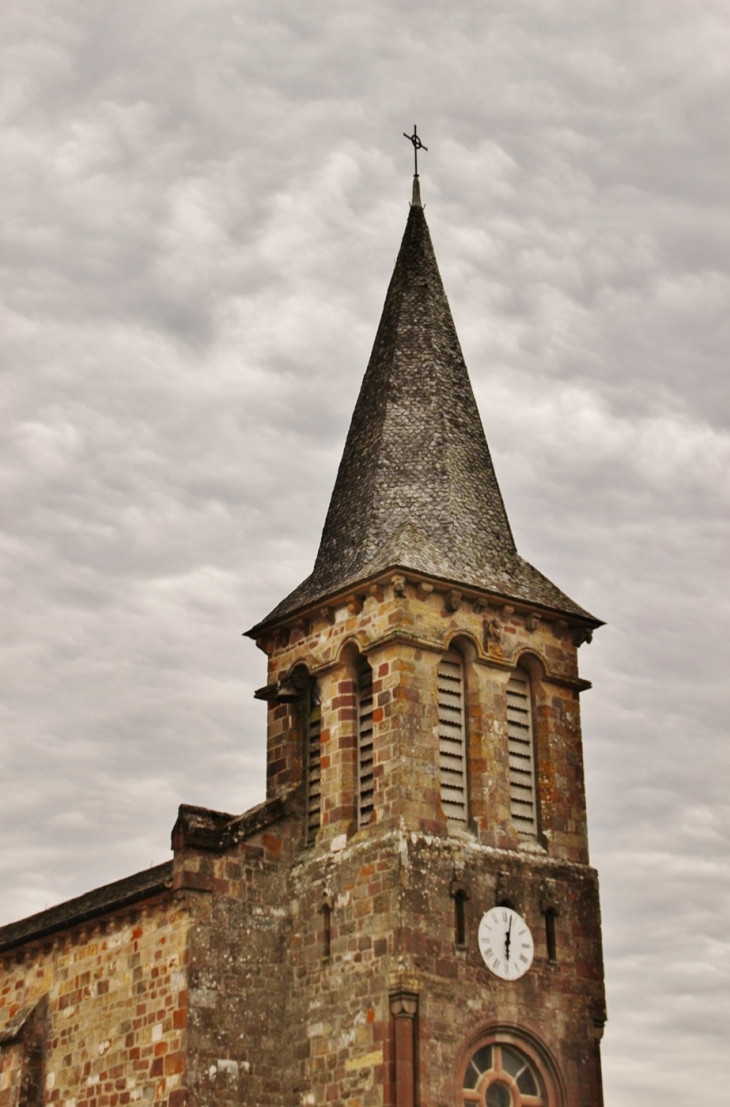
(460, 918)
(326, 930)
(550, 937)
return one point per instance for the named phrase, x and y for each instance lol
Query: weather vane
(417, 145)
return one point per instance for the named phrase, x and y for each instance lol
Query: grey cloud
(202, 205)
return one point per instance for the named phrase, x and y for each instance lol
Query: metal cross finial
(417, 145)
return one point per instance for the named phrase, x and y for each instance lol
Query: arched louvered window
(452, 738)
(365, 780)
(313, 763)
(523, 795)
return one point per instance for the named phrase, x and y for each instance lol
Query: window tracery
(500, 1075)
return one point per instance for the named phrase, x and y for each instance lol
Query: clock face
(505, 943)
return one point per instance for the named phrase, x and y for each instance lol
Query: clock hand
(508, 939)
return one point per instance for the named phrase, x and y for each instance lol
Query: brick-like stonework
(117, 1003)
(403, 637)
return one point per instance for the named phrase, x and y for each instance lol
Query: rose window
(501, 1076)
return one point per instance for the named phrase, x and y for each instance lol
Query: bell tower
(424, 749)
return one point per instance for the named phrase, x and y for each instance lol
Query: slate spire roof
(416, 488)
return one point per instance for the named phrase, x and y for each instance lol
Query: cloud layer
(201, 206)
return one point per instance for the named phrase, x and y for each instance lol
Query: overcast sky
(202, 201)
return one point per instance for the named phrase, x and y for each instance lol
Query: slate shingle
(100, 901)
(416, 488)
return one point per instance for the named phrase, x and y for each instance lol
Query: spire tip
(417, 145)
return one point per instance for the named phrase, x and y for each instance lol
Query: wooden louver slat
(314, 800)
(365, 780)
(521, 756)
(452, 744)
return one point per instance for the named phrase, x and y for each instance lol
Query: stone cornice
(200, 828)
(424, 584)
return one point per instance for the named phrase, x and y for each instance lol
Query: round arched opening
(501, 1073)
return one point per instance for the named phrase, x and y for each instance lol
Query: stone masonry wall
(340, 988)
(403, 626)
(560, 1001)
(294, 963)
(241, 1042)
(393, 927)
(117, 1010)
(387, 888)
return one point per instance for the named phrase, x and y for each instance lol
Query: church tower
(409, 918)
(424, 731)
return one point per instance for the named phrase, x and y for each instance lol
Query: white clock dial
(505, 943)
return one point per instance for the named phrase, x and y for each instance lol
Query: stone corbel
(328, 614)
(493, 637)
(581, 635)
(404, 1005)
(424, 590)
(478, 605)
(453, 600)
(399, 585)
(598, 1025)
(532, 621)
(300, 629)
(354, 604)
(548, 897)
(376, 592)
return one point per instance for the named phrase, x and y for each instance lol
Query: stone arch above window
(464, 644)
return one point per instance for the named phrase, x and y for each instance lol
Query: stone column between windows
(404, 1010)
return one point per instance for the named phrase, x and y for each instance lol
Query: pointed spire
(416, 487)
(416, 452)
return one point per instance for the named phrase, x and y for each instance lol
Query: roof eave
(361, 584)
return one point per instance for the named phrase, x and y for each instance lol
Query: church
(409, 918)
